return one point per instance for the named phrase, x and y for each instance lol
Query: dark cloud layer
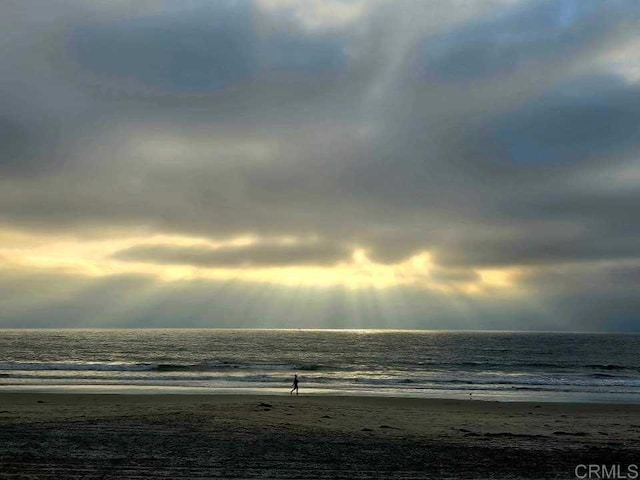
(603, 119)
(200, 49)
(528, 36)
(499, 134)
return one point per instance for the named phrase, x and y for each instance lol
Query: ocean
(481, 365)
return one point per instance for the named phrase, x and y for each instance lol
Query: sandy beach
(245, 436)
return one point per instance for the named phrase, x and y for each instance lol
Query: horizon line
(364, 330)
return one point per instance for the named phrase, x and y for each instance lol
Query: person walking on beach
(295, 385)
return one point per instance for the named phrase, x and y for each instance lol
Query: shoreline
(502, 397)
(157, 398)
(277, 436)
(152, 392)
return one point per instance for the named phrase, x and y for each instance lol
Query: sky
(442, 164)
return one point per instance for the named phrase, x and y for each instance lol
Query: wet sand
(68, 436)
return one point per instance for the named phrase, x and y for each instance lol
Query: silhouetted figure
(295, 385)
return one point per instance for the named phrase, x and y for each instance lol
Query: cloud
(199, 49)
(581, 121)
(264, 254)
(530, 36)
(501, 135)
(316, 14)
(189, 50)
